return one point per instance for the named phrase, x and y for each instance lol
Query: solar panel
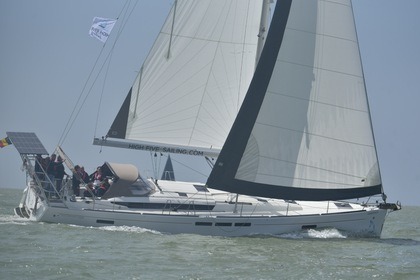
(27, 143)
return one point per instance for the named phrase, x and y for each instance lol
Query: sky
(46, 57)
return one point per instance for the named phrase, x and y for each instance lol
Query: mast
(263, 29)
(172, 31)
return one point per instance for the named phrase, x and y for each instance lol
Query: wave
(13, 219)
(129, 229)
(327, 233)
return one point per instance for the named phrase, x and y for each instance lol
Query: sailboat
(283, 109)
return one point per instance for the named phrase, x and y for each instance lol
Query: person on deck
(51, 167)
(101, 190)
(84, 175)
(75, 181)
(97, 177)
(50, 170)
(59, 172)
(39, 161)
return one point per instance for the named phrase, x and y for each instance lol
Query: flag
(101, 28)
(4, 142)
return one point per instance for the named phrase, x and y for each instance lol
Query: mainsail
(304, 130)
(192, 84)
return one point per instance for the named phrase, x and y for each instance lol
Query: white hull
(253, 217)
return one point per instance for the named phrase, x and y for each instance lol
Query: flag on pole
(101, 28)
(4, 142)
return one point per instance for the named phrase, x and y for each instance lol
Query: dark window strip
(203, 224)
(105, 222)
(242, 224)
(308, 226)
(223, 224)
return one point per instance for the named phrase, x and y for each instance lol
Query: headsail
(304, 129)
(168, 171)
(194, 79)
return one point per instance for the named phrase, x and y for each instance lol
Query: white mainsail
(310, 137)
(194, 79)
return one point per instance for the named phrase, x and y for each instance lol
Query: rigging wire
(66, 128)
(155, 164)
(188, 167)
(79, 104)
(109, 62)
(101, 97)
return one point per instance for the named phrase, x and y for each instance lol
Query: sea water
(30, 250)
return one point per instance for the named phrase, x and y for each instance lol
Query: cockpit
(126, 181)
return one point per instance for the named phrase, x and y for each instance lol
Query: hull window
(203, 224)
(223, 224)
(242, 224)
(308, 227)
(108, 222)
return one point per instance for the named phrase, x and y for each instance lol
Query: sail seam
(312, 180)
(213, 123)
(336, 3)
(314, 167)
(317, 135)
(150, 98)
(323, 35)
(242, 60)
(315, 101)
(320, 68)
(204, 93)
(209, 40)
(162, 109)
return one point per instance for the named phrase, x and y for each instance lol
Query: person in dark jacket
(83, 175)
(39, 161)
(75, 181)
(59, 173)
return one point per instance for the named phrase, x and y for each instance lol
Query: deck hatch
(201, 188)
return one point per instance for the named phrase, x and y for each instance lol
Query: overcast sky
(46, 56)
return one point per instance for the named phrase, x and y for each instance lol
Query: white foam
(13, 219)
(326, 233)
(316, 234)
(129, 229)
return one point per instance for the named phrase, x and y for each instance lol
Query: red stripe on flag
(4, 142)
